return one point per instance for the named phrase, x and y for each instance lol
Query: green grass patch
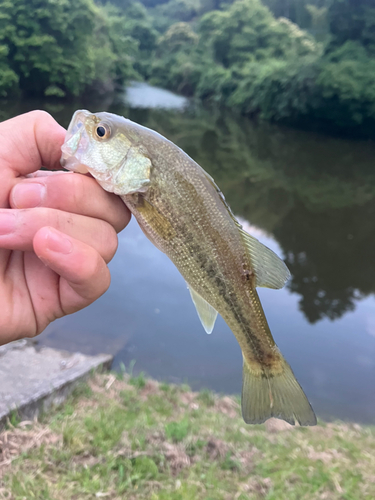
(206, 397)
(177, 431)
(128, 437)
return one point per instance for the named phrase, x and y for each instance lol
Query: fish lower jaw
(107, 186)
(71, 163)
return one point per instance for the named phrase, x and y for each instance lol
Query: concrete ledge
(32, 379)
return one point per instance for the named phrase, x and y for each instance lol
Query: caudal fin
(266, 395)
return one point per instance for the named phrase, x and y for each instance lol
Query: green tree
(133, 37)
(178, 65)
(319, 21)
(63, 47)
(8, 78)
(179, 37)
(252, 55)
(50, 51)
(346, 83)
(301, 12)
(247, 32)
(352, 20)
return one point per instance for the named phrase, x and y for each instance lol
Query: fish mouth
(76, 143)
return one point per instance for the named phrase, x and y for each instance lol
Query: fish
(185, 215)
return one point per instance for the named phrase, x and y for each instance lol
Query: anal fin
(207, 314)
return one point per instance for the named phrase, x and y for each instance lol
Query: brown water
(309, 197)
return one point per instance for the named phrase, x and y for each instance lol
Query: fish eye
(103, 131)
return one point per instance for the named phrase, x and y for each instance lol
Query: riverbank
(123, 437)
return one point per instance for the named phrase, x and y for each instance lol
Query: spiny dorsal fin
(270, 271)
(207, 314)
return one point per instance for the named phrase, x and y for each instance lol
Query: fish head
(108, 147)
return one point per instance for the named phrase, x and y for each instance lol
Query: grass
(130, 437)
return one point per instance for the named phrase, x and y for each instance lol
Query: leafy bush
(216, 83)
(8, 78)
(248, 32)
(234, 53)
(277, 89)
(63, 48)
(52, 47)
(346, 84)
(178, 64)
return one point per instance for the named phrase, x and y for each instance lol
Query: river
(309, 197)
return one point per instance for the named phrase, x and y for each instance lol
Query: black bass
(182, 211)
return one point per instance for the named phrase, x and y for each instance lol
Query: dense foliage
(239, 53)
(244, 58)
(65, 46)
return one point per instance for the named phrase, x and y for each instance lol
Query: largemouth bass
(182, 211)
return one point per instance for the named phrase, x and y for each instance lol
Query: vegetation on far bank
(239, 53)
(64, 48)
(121, 437)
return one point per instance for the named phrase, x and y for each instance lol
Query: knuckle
(46, 216)
(80, 192)
(124, 219)
(92, 267)
(120, 213)
(71, 184)
(95, 277)
(110, 243)
(30, 334)
(106, 280)
(40, 214)
(38, 114)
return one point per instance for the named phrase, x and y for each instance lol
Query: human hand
(57, 230)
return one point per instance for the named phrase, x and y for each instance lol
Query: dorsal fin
(207, 314)
(270, 271)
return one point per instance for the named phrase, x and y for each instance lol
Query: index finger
(31, 141)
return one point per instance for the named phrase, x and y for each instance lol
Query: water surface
(309, 197)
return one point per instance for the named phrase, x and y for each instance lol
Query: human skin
(57, 230)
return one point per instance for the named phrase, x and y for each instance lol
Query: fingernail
(7, 223)
(28, 195)
(57, 242)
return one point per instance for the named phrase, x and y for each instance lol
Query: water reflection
(316, 195)
(142, 95)
(313, 199)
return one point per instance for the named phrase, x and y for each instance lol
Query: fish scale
(182, 211)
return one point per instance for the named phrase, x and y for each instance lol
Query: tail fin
(266, 395)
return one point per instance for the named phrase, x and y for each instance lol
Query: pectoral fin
(159, 223)
(207, 314)
(270, 271)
